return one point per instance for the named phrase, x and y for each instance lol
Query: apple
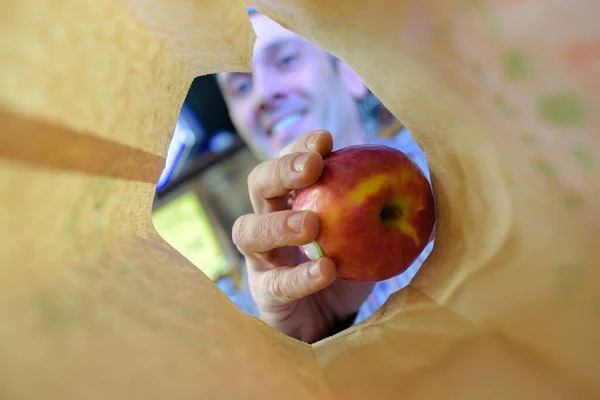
(376, 210)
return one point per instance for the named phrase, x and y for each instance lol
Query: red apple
(376, 210)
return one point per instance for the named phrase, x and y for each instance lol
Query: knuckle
(251, 180)
(294, 283)
(251, 183)
(264, 230)
(252, 175)
(277, 225)
(237, 233)
(268, 179)
(259, 233)
(283, 285)
(276, 287)
(282, 168)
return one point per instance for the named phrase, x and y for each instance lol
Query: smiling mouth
(285, 123)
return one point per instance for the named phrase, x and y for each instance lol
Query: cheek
(242, 117)
(328, 111)
(326, 100)
(248, 127)
(307, 83)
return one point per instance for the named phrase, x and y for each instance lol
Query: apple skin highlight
(376, 209)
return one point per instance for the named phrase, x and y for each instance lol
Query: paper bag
(502, 96)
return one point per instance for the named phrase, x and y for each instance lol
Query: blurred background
(203, 190)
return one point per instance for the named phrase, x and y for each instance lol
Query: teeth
(285, 122)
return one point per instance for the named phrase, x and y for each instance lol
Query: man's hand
(298, 297)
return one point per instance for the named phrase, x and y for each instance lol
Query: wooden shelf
(197, 166)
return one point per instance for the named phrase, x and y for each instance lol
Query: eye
(287, 60)
(240, 87)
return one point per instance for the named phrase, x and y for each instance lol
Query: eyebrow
(276, 45)
(228, 76)
(269, 50)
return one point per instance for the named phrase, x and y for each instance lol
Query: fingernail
(315, 270)
(300, 162)
(312, 141)
(296, 221)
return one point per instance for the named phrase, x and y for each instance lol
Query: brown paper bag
(502, 95)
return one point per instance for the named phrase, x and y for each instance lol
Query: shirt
(402, 141)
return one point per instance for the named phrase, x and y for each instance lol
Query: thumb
(284, 285)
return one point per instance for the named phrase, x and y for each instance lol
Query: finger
(271, 180)
(258, 233)
(286, 284)
(318, 141)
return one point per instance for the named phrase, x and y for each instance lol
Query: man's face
(294, 88)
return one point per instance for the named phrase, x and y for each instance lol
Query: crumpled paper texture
(503, 96)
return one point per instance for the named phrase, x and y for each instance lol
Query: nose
(268, 90)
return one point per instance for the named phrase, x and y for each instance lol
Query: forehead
(269, 36)
(268, 32)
